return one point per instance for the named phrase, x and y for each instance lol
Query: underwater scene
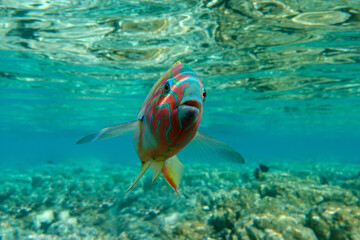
(182, 119)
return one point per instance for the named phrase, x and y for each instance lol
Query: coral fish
(167, 121)
(264, 168)
(257, 174)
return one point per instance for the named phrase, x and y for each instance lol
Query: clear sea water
(283, 77)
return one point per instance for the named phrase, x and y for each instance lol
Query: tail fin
(172, 170)
(156, 168)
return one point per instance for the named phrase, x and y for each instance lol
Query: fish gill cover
(283, 86)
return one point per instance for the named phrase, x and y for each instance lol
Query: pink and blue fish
(167, 121)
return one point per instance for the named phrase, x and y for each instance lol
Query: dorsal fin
(178, 62)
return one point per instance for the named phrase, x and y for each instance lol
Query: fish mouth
(191, 103)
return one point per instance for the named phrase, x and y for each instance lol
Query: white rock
(172, 219)
(71, 221)
(63, 215)
(46, 217)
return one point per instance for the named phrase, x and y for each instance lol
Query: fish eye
(167, 87)
(204, 95)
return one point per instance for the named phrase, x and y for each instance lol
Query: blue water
(283, 87)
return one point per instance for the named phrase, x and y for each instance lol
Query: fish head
(191, 104)
(184, 93)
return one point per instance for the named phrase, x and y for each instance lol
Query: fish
(323, 180)
(167, 121)
(264, 168)
(257, 174)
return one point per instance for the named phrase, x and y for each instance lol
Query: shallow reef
(86, 200)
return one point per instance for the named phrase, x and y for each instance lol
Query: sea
(283, 89)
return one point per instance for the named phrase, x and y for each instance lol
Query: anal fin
(173, 171)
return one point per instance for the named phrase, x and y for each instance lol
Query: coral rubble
(87, 201)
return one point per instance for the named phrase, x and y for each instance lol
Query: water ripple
(108, 51)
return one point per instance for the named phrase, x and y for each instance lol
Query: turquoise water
(283, 87)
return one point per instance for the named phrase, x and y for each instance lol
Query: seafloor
(74, 200)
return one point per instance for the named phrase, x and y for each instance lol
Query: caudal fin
(156, 168)
(173, 171)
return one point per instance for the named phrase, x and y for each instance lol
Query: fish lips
(189, 111)
(191, 103)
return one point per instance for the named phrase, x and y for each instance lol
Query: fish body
(167, 121)
(264, 168)
(170, 115)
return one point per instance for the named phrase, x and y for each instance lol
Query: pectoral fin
(144, 166)
(109, 132)
(173, 171)
(213, 150)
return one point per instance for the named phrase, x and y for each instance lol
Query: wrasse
(167, 121)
